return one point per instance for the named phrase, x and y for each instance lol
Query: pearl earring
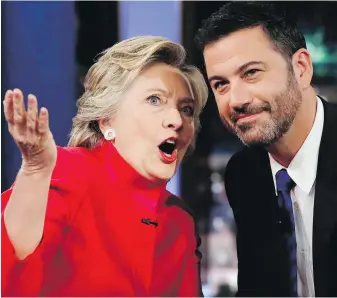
(110, 134)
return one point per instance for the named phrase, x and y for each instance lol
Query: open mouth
(168, 150)
(168, 146)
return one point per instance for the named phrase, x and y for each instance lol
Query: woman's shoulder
(182, 214)
(178, 206)
(73, 174)
(75, 163)
(76, 154)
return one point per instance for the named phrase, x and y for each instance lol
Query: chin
(253, 139)
(164, 176)
(164, 173)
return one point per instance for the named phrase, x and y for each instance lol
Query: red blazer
(106, 233)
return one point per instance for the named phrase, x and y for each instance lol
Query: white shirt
(302, 170)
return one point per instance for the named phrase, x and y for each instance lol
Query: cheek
(269, 87)
(223, 106)
(144, 124)
(135, 132)
(189, 133)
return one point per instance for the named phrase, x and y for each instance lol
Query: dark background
(98, 28)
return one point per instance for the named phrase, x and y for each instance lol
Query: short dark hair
(277, 20)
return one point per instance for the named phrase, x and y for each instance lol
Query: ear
(104, 124)
(303, 69)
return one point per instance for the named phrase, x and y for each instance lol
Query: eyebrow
(240, 69)
(181, 100)
(187, 100)
(250, 63)
(157, 90)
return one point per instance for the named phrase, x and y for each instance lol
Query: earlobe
(106, 128)
(110, 134)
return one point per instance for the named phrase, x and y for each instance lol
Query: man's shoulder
(330, 109)
(246, 159)
(329, 104)
(243, 171)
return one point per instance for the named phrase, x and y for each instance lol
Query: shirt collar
(302, 169)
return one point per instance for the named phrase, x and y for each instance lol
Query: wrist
(36, 172)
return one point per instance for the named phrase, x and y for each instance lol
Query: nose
(173, 119)
(239, 96)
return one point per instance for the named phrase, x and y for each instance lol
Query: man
(282, 186)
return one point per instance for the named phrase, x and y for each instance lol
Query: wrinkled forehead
(242, 46)
(186, 79)
(167, 77)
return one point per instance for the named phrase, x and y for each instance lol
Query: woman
(95, 219)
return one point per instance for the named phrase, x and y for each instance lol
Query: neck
(149, 183)
(123, 174)
(285, 149)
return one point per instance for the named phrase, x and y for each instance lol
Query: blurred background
(47, 48)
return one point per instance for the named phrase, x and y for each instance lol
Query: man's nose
(239, 97)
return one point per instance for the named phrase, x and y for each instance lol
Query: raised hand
(30, 130)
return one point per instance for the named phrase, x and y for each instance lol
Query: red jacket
(106, 233)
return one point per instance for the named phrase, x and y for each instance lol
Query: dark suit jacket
(262, 255)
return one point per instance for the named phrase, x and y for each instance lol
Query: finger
(8, 106)
(19, 112)
(32, 119)
(43, 122)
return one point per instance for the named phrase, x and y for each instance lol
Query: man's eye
(153, 100)
(251, 72)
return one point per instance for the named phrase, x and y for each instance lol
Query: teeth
(168, 155)
(171, 141)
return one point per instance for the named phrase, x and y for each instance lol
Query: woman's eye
(188, 110)
(153, 100)
(219, 84)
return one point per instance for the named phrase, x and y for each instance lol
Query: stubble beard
(281, 116)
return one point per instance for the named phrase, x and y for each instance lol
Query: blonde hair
(113, 73)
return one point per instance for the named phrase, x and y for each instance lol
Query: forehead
(163, 76)
(239, 47)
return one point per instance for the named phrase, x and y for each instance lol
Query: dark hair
(277, 20)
